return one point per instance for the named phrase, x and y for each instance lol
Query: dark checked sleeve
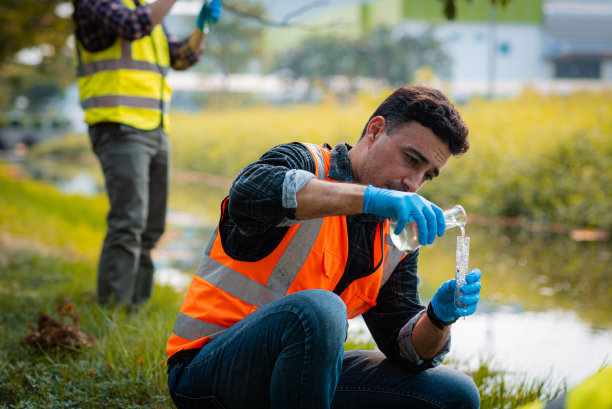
(115, 19)
(262, 201)
(398, 308)
(182, 56)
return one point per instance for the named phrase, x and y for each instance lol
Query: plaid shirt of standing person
(100, 22)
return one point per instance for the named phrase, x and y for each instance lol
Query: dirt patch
(56, 334)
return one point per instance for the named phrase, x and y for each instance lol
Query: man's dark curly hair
(430, 108)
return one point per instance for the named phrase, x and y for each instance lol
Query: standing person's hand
(210, 13)
(406, 207)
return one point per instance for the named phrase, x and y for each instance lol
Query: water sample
(461, 268)
(408, 239)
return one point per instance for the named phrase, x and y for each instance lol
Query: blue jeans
(289, 355)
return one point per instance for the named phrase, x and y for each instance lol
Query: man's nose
(410, 184)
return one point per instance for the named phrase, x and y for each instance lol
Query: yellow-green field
(544, 158)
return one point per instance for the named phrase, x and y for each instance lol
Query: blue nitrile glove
(406, 207)
(210, 13)
(443, 301)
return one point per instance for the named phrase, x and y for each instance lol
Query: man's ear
(376, 127)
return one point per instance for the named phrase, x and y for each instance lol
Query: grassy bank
(48, 252)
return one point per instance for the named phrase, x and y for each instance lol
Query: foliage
(497, 393)
(38, 214)
(536, 157)
(225, 140)
(29, 23)
(234, 42)
(544, 158)
(32, 24)
(450, 7)
(381, 54)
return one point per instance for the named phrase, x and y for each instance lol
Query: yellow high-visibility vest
(126, 83)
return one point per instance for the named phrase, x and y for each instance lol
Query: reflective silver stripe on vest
(281, 277)
(246, 289)
(393, 258)
(118, 64)
(316, 150)
(109, 101)
(193, 329)
(125, 62)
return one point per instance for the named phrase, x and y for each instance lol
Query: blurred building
(496, 51)
(578, 38)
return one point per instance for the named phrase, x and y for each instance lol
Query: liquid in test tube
(461, 268)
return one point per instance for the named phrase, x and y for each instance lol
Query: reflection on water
(179, 249)
(538, 272)
(546, 303)
(555, 345)
(80, 184)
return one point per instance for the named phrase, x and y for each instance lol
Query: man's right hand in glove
(406, 207)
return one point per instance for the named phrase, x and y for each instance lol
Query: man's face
(402, 160)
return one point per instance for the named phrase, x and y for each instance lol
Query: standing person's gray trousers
(135, 166)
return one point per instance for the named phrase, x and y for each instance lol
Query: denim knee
(326, 311)
(465, 392)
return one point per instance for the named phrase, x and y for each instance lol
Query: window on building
(505, 48)
(578, 67)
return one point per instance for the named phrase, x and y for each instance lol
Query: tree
(450, 8)
(46, 25)
(234, 41)
(381, 54)
(30, 23)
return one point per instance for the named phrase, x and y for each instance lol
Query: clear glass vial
(461, 267)
(408, 239)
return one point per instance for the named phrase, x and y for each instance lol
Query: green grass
(496, 391)
(125, 369)
(48, 255)
(127, 366)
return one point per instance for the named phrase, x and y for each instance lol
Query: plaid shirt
(100, 22)
(253, 226)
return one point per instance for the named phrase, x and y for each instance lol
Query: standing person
(123, 55)
(302, 243)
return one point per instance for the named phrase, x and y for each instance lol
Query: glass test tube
(462, 257)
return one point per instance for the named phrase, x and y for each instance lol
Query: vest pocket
(332, 263)
(358, 304)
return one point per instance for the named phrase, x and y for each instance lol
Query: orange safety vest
(312, 254)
